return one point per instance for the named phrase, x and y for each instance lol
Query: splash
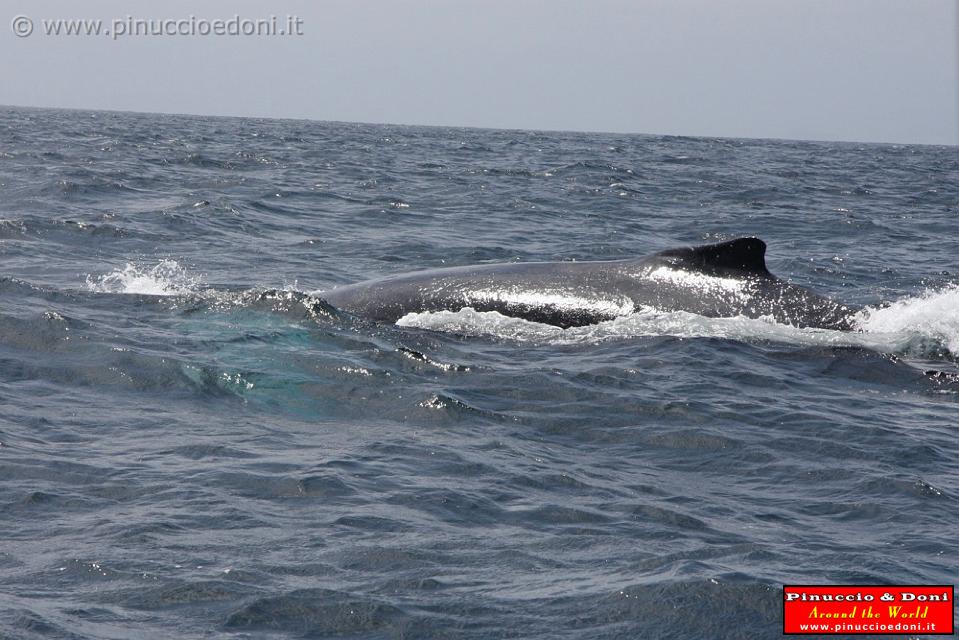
(166, 278)
(933, 315)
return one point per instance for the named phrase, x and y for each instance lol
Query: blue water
(193, 444)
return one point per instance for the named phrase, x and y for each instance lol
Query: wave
(49, 229)
(90, 185)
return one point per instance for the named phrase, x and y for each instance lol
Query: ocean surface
(193, 444)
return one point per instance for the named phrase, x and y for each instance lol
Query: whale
(721, 280)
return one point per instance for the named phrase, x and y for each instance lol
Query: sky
(858, 70)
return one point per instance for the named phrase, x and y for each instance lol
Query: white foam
(931, 315)
(167, 278)
(903, 327)
(470, 322)
(644, 322)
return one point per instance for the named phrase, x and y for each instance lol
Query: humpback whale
(716, 280)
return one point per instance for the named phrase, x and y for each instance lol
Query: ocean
(194, 444)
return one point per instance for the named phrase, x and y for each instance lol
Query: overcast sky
(865, 70)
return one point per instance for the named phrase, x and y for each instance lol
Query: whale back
(726, 279)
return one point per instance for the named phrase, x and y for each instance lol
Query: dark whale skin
(727, 279)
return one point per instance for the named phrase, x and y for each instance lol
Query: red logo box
(897, 609)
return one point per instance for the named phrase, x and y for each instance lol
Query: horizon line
(476, 127)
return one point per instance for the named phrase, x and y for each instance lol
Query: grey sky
(869, 70)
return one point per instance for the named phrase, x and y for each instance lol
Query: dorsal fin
(742, 255)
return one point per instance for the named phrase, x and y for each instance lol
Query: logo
(868, 609)
(22, 26)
